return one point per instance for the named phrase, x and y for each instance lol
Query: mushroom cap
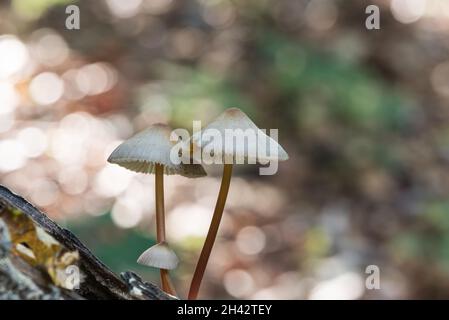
(152, 146)
(159, 256)
(235, 119)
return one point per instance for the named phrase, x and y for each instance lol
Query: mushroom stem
(160, 224)
(160, 211)
(212, 233)
(167, 285)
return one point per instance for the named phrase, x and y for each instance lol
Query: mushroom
(161, 256)
(231, 119)
(149, 152)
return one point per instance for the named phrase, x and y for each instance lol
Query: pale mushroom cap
(159, 256)
(237, 120)
(152, 146)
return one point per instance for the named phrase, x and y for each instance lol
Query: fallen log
(41, 260)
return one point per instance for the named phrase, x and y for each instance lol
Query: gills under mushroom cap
(236, 122)
(152, 146)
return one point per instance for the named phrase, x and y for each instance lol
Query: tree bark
(41, 260)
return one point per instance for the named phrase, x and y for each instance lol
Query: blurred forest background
(362, 113)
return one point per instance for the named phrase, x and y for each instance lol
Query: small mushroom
(159, 256)
(233, 119)
(149, 152)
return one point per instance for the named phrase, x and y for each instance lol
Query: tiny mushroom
(161, 256)
(235, 120)
(149, 152)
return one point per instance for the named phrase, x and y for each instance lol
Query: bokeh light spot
(251, 240)
(126, 214)
(12, 155)
(238, 283)
(14, 55)
(34, 141)
(408, 11)
(46, 88)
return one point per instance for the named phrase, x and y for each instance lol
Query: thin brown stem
(212, 233)
(160, 225)
(167, 285)
(160, 211)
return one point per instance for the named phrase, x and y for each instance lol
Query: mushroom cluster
(150, 152)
